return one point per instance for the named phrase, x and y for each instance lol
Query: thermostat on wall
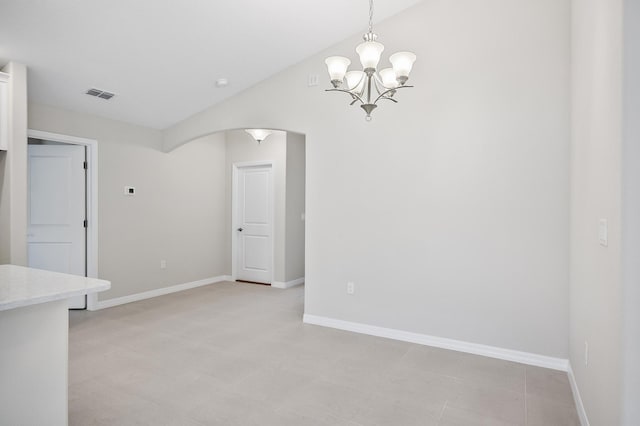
(129, 190)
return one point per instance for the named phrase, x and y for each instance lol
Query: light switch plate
(351, 287)
(314, 80)
(603, 232)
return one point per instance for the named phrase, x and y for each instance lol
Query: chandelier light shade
(369, 52)
(388, 77)
(370, 85)
(337, 67)
(259, 134)
(402, 63)
(355, 80)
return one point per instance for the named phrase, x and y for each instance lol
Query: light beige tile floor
(238, 354)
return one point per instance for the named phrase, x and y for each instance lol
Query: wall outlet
(351, 287)
(586, 353)
(129, 190)
(163, 264)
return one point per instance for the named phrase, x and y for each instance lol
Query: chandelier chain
(370, 16)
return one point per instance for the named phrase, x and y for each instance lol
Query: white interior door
(56, 239)
(254, 224)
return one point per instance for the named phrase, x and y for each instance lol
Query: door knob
(239, 229)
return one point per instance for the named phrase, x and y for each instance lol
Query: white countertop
(20, 286)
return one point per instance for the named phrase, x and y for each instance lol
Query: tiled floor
(238, 354)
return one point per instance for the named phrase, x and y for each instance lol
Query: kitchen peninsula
(34, 343)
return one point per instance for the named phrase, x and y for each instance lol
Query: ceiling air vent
(100, 94)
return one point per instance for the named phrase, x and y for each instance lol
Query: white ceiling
(162, 57)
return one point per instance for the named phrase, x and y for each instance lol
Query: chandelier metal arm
(395, 101)
(377, 82)
(358, 98)
(383, 94)
(355, 96)
(360, 93)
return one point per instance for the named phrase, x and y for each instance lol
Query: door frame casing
(91, 145)
(234, 212)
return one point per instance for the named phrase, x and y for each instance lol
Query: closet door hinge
(85, 165)
(85, 223)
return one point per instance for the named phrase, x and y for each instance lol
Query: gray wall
(13, 172)
(631, 215)
(596, 302)
(294, 246)
(176, 215)
(449, 210)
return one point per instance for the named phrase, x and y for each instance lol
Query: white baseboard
(582, 414)
(441, 342)
(102, 304)
(287, 284)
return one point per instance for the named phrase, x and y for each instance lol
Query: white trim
(102, 304)
(582, 414)
(4, 111)
(57, 137)
(441, 342)
(92, 198)
(234, 212)
(287, 284)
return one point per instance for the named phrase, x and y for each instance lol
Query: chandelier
(370, 86)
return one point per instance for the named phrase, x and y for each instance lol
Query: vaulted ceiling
(162, 57)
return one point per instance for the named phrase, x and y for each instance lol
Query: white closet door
(254, 224)
(57, 211)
